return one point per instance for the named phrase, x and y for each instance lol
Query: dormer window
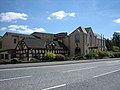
(51, 46)
(15, 41)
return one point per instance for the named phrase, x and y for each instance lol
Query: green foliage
(49, 56)
(109, 44)
(34, 60)
(116, 54)
(67, 58)
(97, 54)
(116, 39)
(115, 49)
(4, 61)
(60, 57)
(78, 58)
(92, 54)
(14, 60)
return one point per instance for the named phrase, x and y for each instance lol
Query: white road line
(34, 67)
(22, 68)
(15, 78)
(19, 68)
(112, 64)
(106, 73)
(77, 69)
(112, 61)
(62, 85)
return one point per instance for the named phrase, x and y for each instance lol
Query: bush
(92, 54)
(116, 54)
(34, 60)
(110, 54)
(15, 60)
(60, 57)
(97, 54)
(79, 58)
(67, 58)
(102, 54)
(115, 48)
(4, 61)
(49, 56)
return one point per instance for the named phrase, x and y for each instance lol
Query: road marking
(106, 73)
(62, 85)
(35, 67)
(77, 69)
(112, 64)
(22, 68)
(15, 78)
(112, 61)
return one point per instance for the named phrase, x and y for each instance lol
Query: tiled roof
(19, 35)
(41, 43)
(42, 33)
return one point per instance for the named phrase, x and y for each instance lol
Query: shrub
(115, 48)
(116, 54)
(92, 54)
(97, 54)
(79, 58)
(102, 54)
(67, 58)
(110, 54)
(34, 60)
(14, 60)
(4, 61)
(49, 56)
(60, 57)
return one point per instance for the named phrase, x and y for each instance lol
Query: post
(101, 42)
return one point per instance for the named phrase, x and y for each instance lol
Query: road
(103, 75)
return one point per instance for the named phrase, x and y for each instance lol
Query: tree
(116, 39)
(109, 44)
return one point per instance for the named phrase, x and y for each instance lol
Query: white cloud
(39, 30)
(117, 21)
(72, 14)
(12, 16)
(3, 28)
(117, 31)
(23, 29)
(49, 18)
(16, 27)
(61, 14)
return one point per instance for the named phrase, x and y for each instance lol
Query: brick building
(80, 42)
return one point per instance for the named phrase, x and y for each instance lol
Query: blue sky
(54, 16)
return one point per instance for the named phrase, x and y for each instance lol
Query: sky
(55, 16)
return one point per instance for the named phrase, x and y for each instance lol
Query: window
(51, 46)
(15, 41)
(86, 38)
(1, 56)
(77, 38)
(90, 40)
(6, 56)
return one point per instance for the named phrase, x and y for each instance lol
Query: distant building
(80, 42)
